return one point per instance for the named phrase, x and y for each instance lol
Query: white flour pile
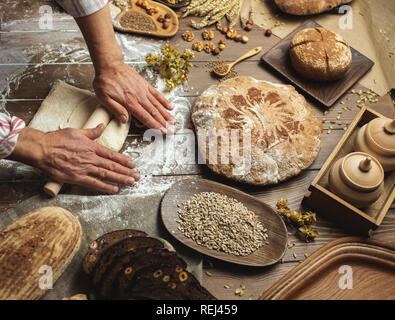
(174, 154)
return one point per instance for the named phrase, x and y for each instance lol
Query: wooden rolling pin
(100, 115)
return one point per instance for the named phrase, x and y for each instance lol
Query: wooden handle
(100, 115)
(250, 53)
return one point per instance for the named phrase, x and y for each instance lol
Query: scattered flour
(163, 156)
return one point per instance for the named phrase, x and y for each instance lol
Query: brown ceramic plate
(327, 93)
(368, 265)
(276, 230)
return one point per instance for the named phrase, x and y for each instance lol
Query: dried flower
(172, 65)
(302, 221)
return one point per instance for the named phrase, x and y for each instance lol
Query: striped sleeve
(82, 8)
(10, 127)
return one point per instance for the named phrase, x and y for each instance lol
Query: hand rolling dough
(69, 107)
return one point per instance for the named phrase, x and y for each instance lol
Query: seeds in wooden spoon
(219, 65)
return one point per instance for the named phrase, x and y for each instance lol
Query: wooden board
(276, 230)
(160, 31)
(370, 264)
(49, 236)
(327, 93)
(321, 199)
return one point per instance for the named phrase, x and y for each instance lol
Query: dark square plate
(327, 93)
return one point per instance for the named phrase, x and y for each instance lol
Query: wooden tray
(318, 277)
(327, 93)
(277, 232)
(160, 32)
(321, 199)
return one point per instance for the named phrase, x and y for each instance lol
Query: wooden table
(20, 30)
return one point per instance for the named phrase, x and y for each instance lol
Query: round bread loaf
(284, 132)
(307, 7)
(319, 54)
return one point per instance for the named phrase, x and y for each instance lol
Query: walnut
(208, 34)
(198, 46)
(188, 36)
(209, 47)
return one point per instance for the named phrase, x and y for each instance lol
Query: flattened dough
(69, 107)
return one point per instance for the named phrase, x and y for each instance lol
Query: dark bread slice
(126, 246)
(157, 259)
(98, 246)
(128, 265)
(170, 278)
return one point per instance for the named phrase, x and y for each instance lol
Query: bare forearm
(99, 35)
(29, 149)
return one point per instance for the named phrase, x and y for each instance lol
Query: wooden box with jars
(356, 186)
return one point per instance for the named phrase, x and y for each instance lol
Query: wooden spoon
(250, 53)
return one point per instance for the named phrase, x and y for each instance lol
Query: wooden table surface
(19, 31)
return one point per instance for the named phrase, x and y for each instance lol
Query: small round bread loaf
(321, 55)
(267, 130)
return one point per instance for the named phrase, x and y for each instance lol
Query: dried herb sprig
(302, 221)
(172, 65)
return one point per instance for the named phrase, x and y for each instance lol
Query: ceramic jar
(378, 139)
(358, 178)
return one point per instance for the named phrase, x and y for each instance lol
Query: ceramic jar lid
(362, 172)
(380, 135)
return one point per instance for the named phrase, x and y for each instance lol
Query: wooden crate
(324, 202)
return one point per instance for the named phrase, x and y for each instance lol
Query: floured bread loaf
(42, 243)
(320, 54)
(285, 134)
(306, 7)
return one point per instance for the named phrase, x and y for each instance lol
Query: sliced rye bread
(128, 246)
(109, 285)
(98, 246)
(158, 259)
(170, 278)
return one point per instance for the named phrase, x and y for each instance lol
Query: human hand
(71, 156)
(122, 90)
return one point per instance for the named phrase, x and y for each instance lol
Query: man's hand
(122, 90)
(71, 156)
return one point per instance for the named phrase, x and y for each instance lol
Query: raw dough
(69, 107)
